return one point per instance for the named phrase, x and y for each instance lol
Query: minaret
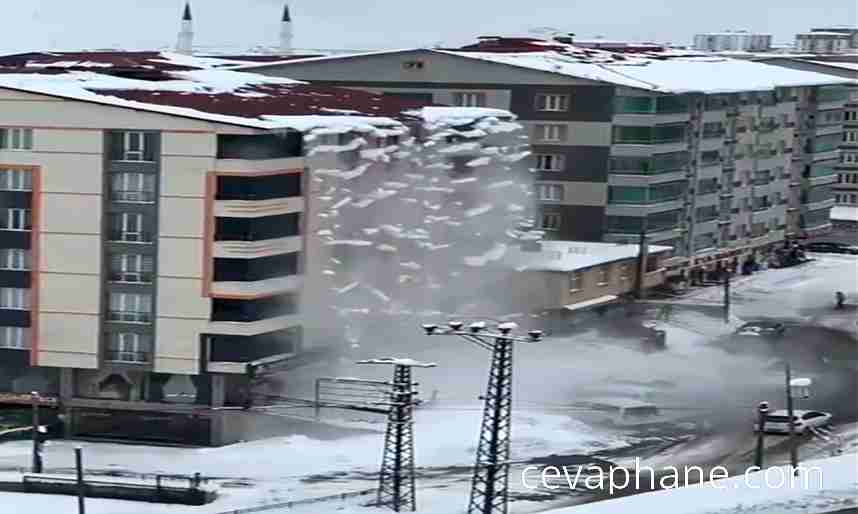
(185, 43)
(286, 31)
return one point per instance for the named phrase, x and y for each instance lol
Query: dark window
(258, 188)
(257, 229)
(251, 270)
(132, 146)
(253, 310)
(246, 349)
(267, 146)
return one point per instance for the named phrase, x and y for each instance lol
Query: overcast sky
(28, 25)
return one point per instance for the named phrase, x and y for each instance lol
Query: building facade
(613, 154)
(154, 240)
(741, 41)
(824, 42)
(841, 173)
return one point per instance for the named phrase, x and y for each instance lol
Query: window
(16, 219)
(624, 272)
(469, 99)
(850, 116)
(574, 282)
(550, 221)
(710, 158)
(658, 134)
(134, 146)
(129, 267)
(553, 103)
(713, 129)
(16, 180)
(133, 187)
(128, 228)
(132, 308)
(128, 347)
(550, 192)
(14, 298)
(634, 105)
(604, 276)
(413, 65)
(849, 136)
(14, 259)
(16, 338)
(627, 194)
(549, 162)
(550, 132)
(16, 139)
(848, 157)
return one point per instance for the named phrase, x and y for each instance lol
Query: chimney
(185, 43)
(286, 31)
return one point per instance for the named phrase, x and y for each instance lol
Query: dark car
(766, 329)
(820, 247)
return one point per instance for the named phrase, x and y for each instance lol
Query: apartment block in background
(151, 236)
(737, 41)
(841, 173)
(697, 152)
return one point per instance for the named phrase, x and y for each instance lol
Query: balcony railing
(127, 357)
(130, 316)
(131, 277)
(133, 196)
(760, 208)
(650, 141)
(118, 236)
(762, 181)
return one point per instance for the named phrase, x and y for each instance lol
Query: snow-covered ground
(548, 378)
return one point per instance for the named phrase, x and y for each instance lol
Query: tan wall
(71, 214)
(180, 257)
(178, 346)
(70, 253)
(181, 217)
(184, 176)
(68, 340)
(197, 145)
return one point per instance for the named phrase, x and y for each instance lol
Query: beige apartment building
(153, 237)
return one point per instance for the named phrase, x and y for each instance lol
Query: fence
(298, 503)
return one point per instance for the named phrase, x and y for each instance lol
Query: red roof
(117, 59)
(275, 100)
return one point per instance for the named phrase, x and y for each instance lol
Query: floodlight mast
(489, 485)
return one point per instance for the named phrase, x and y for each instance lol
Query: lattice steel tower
(396, 482)
(489, 485)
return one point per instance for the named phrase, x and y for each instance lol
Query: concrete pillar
(218, 390)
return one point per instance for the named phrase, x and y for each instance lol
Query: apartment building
(700, 153)
(825, 41)
(738, 41)
(153, 235)
(842, 173)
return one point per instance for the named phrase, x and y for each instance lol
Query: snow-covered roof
(844, 213)
(845, 65)
(666, 75)
(568, 256)
(824, 33)
(661, 70)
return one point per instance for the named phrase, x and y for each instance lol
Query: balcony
(131, 277)
(258, 208)
(258, 288)
(127, 357)
(807, 206)
(250, 247)
(133, 196)
(130, 317)
(251, 328)
(118, 236)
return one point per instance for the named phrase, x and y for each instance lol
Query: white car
(804, 420)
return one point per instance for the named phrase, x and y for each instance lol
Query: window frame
(130, 306)
(19, 335)
(133, 187)
(551, 102)
(127, 138)
(557, 219)
(546, 129)
(18, 219)
(16, 179)
(544, 188)
(574, 281)
(557, 161)
(16, 139)
(15, 259)
(130, 344)
(469, 99)
(14, 298)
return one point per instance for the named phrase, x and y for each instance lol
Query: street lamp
(489, 485)
(762, 410)
(798, 388)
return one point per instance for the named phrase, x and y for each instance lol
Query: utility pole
(793, 448)
(727, 297)
(37, 444)
(396, 484)
(81, 487)
(643, 253)
(762, 410)
(490, 482)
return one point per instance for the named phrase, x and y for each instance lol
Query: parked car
(619, 411)
(828, 247)
(803, 420)
(765, 329)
